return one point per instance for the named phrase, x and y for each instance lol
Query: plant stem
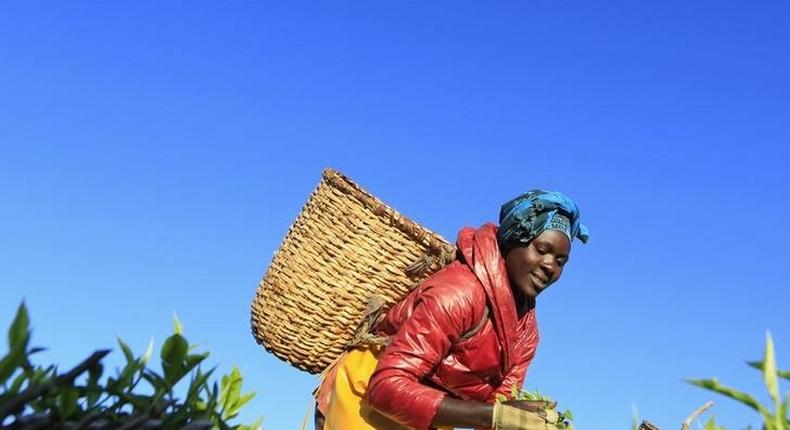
(31, 393)
(695, 414)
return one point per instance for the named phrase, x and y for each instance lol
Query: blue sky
(153, 155)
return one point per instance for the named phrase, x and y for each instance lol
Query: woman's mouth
(539, 282)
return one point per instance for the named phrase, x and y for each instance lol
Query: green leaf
(36, 350)
(211, 403)
(139, 401)
(231, 387)
(514, 392)
(157, 382)
(784, 374)
(231, 398)
(771, 381)
(213, 395)
(173, 353)
(126, 377)
(710, 424)
(127, 352)
(92, 385)
(785, 407)
(769, 371)
(568, 414)
(177, 417)
(67, 402)
(258, 424)
(18, 338)
(94, 374)
(243, 400)
(127, 380)
(19, 332)
(178, 328)
(194, 360)
(17, 383)
(198, 383)
(11, 362)
(112, 385)
(147, 354)
(714, 385)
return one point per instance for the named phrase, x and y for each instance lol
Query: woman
(464, 336)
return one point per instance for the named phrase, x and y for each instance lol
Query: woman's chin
(529, 291)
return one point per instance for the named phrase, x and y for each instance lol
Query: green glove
(507, 417)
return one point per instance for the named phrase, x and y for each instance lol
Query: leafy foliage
(136, 396)
(710, 424)
(775, 419)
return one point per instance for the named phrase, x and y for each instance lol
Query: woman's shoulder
(455, 275)
(456, 287)
(453, 292)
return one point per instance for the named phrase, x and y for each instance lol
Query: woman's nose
(549, 267)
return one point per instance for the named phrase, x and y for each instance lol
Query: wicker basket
(345, 247)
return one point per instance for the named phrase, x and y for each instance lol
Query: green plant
(775, 419)
(34, 396)
(710, 424)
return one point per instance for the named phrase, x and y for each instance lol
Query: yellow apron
(347, 410)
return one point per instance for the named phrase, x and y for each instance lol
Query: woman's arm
(463, 413)
(444, 313)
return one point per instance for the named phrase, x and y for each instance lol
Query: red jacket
(428, 356)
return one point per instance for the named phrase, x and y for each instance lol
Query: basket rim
(415, 231)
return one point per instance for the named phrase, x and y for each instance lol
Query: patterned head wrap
(530, 214)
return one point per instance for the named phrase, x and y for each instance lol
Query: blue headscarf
(530, 214)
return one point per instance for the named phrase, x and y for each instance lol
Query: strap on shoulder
(478, 326)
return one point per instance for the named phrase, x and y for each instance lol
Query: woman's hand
(525, 415)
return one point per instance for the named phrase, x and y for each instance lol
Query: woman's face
(532, 268)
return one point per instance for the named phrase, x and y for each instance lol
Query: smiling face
(532, 268)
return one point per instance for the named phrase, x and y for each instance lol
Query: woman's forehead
(556, 239)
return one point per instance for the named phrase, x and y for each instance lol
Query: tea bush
(774, 416)
(136, 396)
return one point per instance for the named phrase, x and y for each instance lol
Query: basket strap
(364, 334)
(478, 326)
(364, 337)
(425, 262)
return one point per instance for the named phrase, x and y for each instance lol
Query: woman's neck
(524, 304)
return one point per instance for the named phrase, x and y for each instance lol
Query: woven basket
(345, 247)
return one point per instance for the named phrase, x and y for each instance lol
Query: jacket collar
(481, 253)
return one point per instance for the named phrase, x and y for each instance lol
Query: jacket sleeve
(525, 348)
(438, 320)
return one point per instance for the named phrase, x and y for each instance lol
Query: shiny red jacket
(431, 355)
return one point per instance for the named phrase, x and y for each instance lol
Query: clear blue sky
(155, 153)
